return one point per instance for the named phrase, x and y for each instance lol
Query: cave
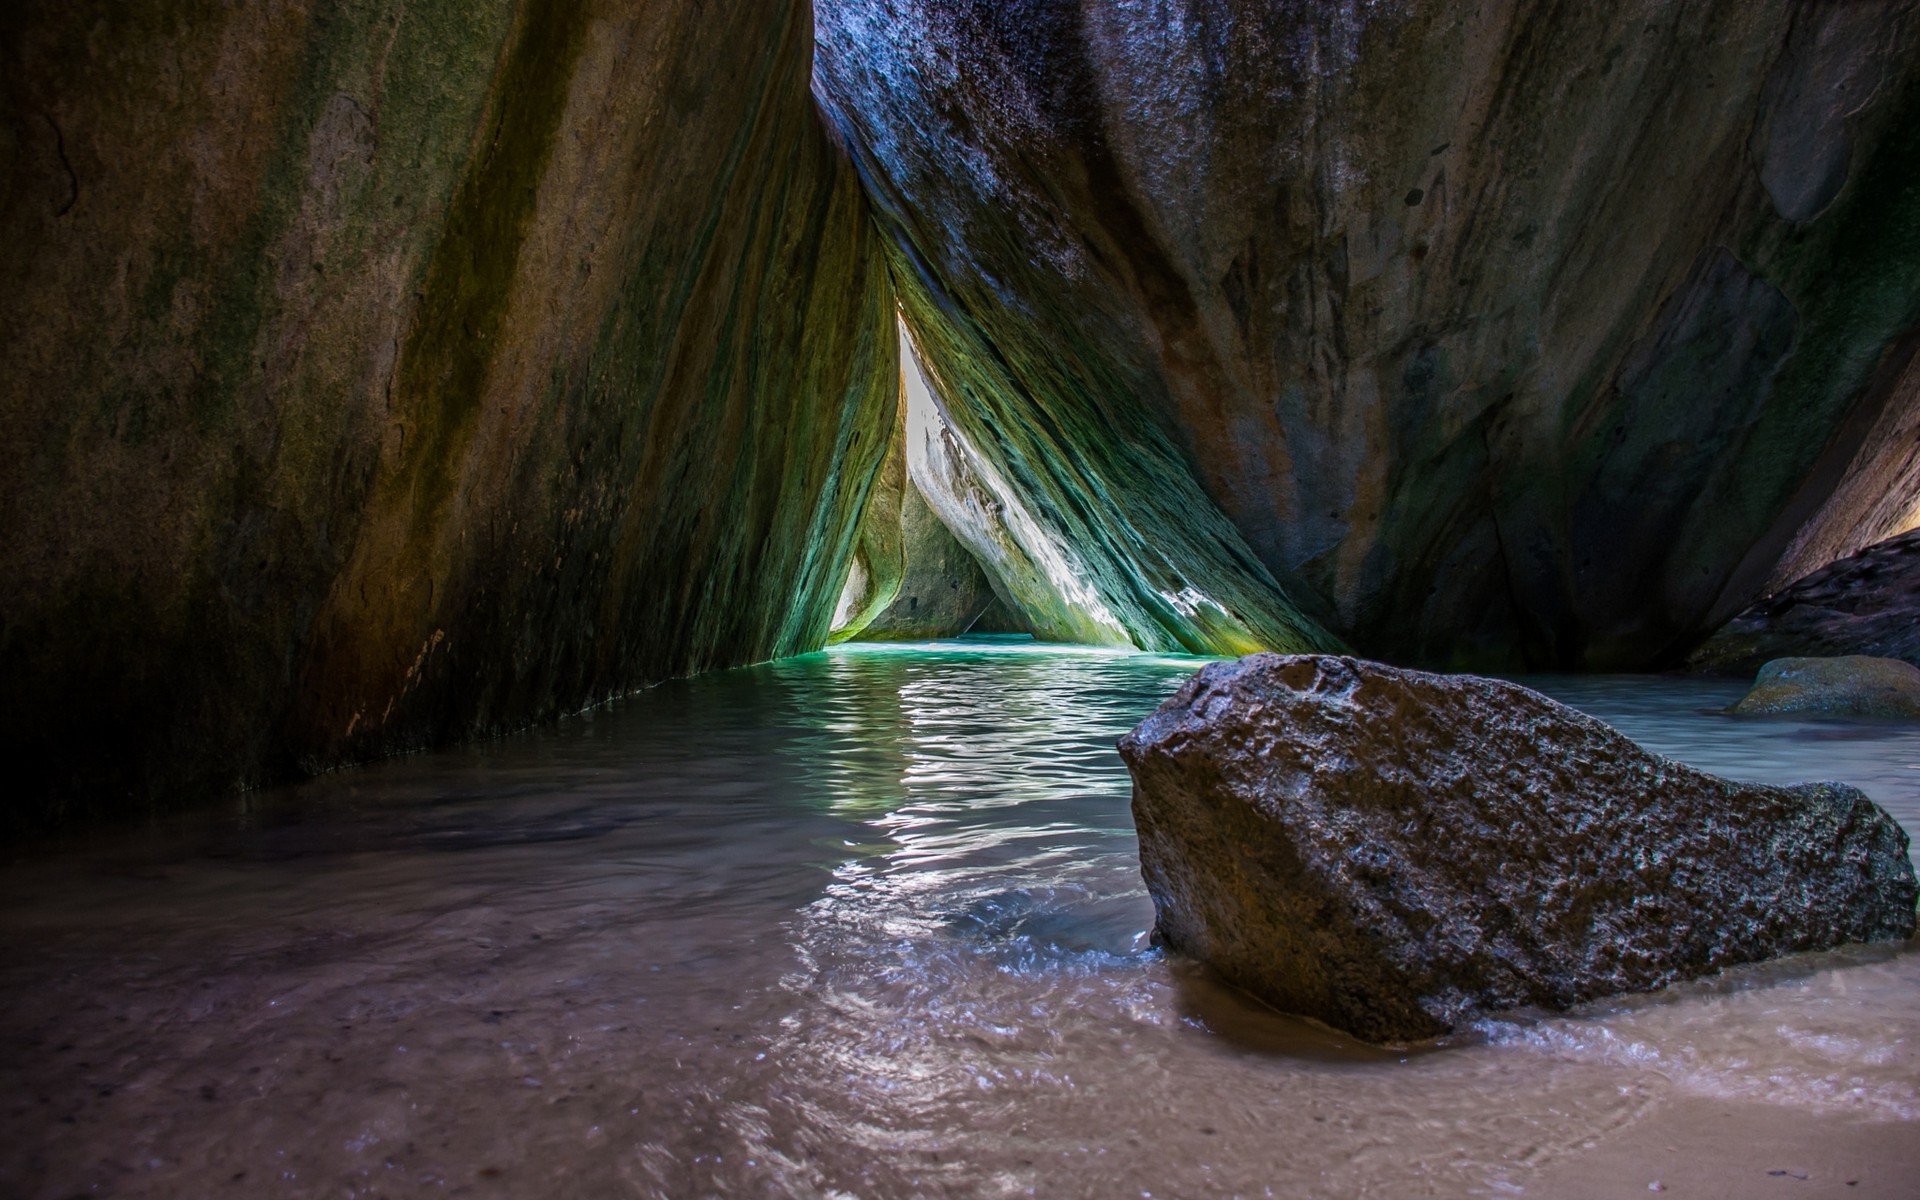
(570, 573)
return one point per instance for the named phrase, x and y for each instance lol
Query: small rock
(1851, 686)
(1392, 852)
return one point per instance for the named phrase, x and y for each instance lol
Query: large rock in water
(1487, 333)
(1391, 852)
(1867, 603)
(1853, 685)
(377, 374)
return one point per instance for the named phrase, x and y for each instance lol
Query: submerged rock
(1853, 685)
(1392, 852)
(1484, 335)
(1866, 603)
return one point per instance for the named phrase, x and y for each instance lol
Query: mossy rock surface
(387, 373)
(942, 590)
(1852, 685)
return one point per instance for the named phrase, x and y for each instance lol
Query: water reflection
(862, 923)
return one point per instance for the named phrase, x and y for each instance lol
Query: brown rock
(1867, 603)
(1392, 852)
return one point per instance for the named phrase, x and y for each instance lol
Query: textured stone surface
(1491, 333)
(1851, 685)
(942, 589)
(912, 578)
(1391, 851)
(879, 548)
(1867, 603)
(1035, 570)
(379, 374)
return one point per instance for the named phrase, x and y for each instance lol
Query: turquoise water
(867, 922)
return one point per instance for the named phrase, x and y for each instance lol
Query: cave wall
(1490, 334)
(382, 373)
(942, 589)
(912, 578)
(879, 545)
(1867, 603)
(1035, 566)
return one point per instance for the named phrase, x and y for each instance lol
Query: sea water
(867, 922)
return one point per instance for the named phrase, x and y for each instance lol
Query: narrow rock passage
(1488, 335)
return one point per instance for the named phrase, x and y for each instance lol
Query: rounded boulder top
(1853, 685)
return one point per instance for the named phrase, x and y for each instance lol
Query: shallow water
(864, 923)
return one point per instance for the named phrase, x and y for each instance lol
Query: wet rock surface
(1392, 852)
(1040, 578)
(1481, 334)
(382, 374)
(879, 549)
(1867, 603)
(1849, 686)
(942, 589)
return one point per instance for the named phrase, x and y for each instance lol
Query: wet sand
(1712, 1150)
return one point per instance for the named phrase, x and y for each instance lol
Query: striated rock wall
(942, 591)
(385, 373)
(912, 578)
(1035, 568)
(880, 546)
(1503, 334)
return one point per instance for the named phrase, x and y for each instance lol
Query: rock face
(1486, 333)
(942, 590)
(1850, 686)
(879, 549)
(1035, 570)
(911, 577)
(1391, 852)
(1867, 603)
(386, 373)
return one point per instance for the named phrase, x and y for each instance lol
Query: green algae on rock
(879, 549)
(942, 590)
(1852, 685)
(1492, 335)
(1061, 551)
(393, 373)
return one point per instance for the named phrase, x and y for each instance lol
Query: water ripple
(863, 923)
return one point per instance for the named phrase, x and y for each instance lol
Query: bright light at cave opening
(952, 474)
(976, 504)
